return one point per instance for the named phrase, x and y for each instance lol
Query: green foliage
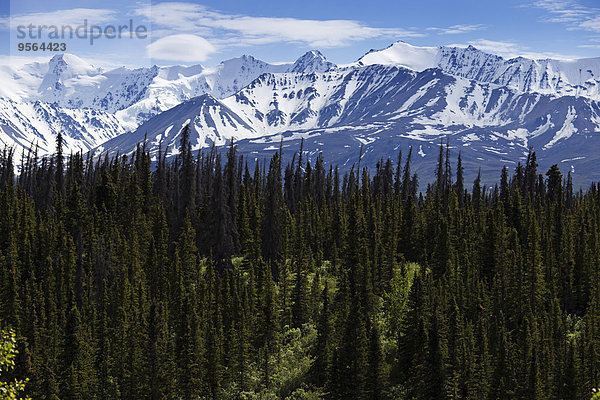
(9, 390)
(293, 360)
(396, 300)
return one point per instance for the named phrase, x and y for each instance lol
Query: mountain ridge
(375, 104)
(424, 92)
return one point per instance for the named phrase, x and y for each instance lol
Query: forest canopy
(214, 276)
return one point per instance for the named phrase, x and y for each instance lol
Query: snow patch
(567, 130)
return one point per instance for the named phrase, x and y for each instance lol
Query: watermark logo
(86, 31)
(108, 34)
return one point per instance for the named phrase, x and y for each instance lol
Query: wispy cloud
(457, 29)
(235, 29)
(511, 49)
(592, 24)
(571, 13)
(496, 47)
(74, 16)
(589, 46)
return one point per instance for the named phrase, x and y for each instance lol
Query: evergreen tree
(201, 279)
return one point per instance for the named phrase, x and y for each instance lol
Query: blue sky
(275, 31)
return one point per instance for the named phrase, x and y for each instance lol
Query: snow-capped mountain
(491, 108)
(312, 61)
(554, 77)
(34, 125)
(91, 105)
(136, 94)
(383, 108)
(210, 121)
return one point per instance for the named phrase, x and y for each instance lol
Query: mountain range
(490, 109)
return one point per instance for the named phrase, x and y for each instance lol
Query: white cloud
(592, 24)
(495, 47)
(332, 33)
(175, 16)
(457, 29)
(574, 16)
(181, 47)
(571, 13)
(74, 17)
(563, 11)
(536, 55)
(247, 30)
(509, 50)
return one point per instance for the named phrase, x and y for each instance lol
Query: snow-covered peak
(232, 75)
(245, 62)
(245, 65)
(419, 59)
(61, 69)
(179, 71)
(404, 55)
(72, 65)
(312, 61)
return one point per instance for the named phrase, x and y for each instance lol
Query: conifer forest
(213, 276)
